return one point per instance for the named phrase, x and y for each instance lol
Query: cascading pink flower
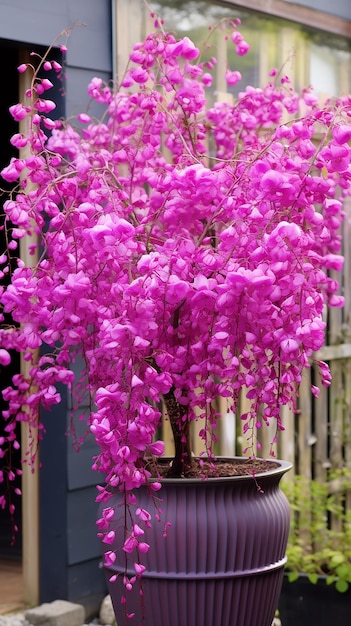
(185, 250)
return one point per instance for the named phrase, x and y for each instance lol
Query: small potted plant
(184, 252)
(318, 573)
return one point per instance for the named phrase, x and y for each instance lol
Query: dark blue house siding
(39, 22)
(69, 549)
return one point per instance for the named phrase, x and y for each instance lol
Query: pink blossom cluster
(182, 250)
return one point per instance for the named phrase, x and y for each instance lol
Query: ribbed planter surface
(222, 561)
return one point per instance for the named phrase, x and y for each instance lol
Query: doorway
(11, 586)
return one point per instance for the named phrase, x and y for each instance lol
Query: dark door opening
(8, 96)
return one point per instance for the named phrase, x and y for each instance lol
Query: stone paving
(63, 613)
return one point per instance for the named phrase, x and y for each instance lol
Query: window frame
(131, 22)
(297, 13)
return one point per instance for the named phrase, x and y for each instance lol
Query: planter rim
(221, 575)
(284, 466)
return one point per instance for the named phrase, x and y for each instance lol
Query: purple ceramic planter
(222, 561)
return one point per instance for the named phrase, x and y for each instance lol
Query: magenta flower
(109, 558)
(242, 48)
(130, 544)
(5, 358)
(341, 133)
(139, 569)
(19, 112)
(187, 253)
(109, 537)
(232, 78)
(183, 48)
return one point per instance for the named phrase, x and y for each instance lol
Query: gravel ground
(18, 619)
(13, 619)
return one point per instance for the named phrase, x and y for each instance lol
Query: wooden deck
(11, 586)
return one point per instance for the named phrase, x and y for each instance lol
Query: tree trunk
(181, 434)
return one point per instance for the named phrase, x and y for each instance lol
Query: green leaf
(292, 576)
(342, 571)
(337, 559)
(342, 586)
(313, 578)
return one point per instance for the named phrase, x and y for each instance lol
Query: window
(308, 55)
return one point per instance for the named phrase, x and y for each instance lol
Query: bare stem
(182, 458)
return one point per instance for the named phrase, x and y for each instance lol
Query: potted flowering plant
(184, 252)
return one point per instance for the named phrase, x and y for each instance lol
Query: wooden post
(227, 431)
(320, 406)
(305, 434)
(30, 477)
(130, 23)
(286, 441)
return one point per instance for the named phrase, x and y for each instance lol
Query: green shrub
(320, 535)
